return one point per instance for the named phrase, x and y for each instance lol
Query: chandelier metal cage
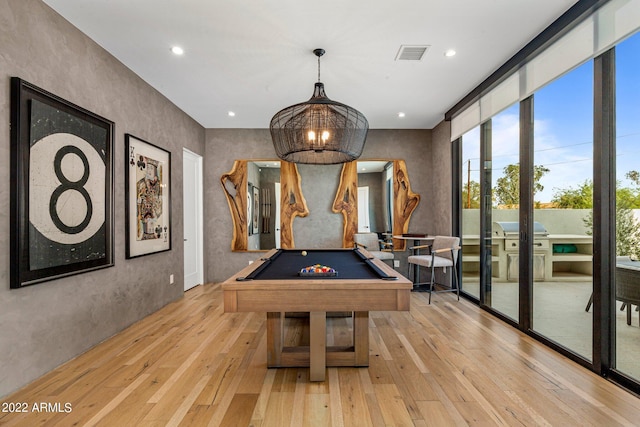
(319, 131)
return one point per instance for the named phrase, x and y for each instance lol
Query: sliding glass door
(563, 210)
(627, 268)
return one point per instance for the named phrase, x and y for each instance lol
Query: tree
(629, 197)
(578, 198)
(627, 233)
(627, 229)
(507, 190)
(633, 176)
(582, 197)
(471, 195)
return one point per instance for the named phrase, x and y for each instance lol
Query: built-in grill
(510, 230)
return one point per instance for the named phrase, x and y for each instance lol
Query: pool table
(272, 284)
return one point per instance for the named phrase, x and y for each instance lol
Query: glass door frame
(486, 207)
(526, 216)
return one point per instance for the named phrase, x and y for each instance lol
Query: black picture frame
(250, 231)
(256, 210)
(61, 203)
(147, 198)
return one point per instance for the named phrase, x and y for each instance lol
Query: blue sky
(563, 126)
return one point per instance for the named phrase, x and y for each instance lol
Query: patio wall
(556, 221)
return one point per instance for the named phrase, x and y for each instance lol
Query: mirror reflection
(391, 216)
(375, 197)
(261, 218)
(263, 204)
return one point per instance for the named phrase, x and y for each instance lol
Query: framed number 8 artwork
(61, 187)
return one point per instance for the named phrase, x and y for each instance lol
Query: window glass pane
(471, 212)
(563, 202)
(505, 169)
(628, 206)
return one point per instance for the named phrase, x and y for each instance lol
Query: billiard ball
(304, 253)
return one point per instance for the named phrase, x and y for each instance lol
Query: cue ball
(304, 253)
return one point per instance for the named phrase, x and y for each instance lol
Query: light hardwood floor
(443, 364)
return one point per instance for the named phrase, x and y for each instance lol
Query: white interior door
(363, 210)
(277, 220)
(192, 205)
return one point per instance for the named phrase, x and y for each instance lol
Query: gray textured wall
(44, 325)
(321, 227)
(441, 186)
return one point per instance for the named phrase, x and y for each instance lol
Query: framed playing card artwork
(148, 198)
(61, 187)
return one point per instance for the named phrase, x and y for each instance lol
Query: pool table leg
(274, 338)
(317, 345)
(361, 338)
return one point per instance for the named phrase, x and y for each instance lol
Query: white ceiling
(254, 57)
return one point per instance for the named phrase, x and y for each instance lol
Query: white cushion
(425, 261)
(382, 254)
(369, 240)
(446, 242)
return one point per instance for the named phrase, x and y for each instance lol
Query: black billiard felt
(287, 263)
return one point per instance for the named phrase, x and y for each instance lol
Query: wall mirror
(264, 197)
(375, 196)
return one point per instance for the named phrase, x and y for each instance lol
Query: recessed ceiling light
(401, 114)
(450, 53)
(231, 114)
(177, 50)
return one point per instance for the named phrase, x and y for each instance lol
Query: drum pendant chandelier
(319, 131)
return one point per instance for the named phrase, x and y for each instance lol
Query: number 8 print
(67, 185)
(67, 173)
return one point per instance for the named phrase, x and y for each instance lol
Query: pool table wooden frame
(316, 296)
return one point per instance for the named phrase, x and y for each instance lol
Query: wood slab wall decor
(234, 184)
(292, 202)
(346, 202)
(405, 202)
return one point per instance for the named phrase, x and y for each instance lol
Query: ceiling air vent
(411, 53)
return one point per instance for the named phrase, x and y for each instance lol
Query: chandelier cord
(318, 69)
